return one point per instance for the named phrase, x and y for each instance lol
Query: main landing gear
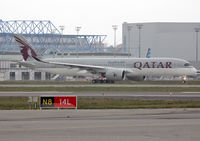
(102, 80)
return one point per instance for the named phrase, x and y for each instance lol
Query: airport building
(177, 40)
(47, 40)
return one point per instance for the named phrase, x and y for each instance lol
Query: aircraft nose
(195, 71)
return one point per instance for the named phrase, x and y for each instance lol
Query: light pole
(129, 42)
(139, 26)
(197, 36)
(77, 28)
(115, 28)
(62, 28)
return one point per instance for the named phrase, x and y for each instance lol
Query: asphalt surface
(98, 125)
(194, 96)
(95, 85)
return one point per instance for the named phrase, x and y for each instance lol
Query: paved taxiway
(98, 125)
(194, 96)
(96, 85)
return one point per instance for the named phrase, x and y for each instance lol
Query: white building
(11, 70)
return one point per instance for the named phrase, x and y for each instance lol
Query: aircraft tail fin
(148, 55)
(26, 49)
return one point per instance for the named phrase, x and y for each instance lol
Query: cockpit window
(187, 65)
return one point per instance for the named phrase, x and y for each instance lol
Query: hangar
(166, 39)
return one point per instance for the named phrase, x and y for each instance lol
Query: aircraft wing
(90, 68)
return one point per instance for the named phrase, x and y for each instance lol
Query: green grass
(52, 82)
(43, 82)
(102, 89)
(8, 103)
(108, 103)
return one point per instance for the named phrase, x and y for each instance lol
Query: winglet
(26, 49)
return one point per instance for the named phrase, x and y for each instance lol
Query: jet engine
(136, 78)
(115, 74)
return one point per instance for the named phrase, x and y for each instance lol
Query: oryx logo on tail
(26, 49)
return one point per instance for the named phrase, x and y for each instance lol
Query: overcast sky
(98, 16)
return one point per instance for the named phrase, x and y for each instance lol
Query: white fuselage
(133, 66)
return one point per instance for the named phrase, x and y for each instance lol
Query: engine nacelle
(115, 74)
(136, 78)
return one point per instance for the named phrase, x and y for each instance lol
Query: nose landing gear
(184, 78)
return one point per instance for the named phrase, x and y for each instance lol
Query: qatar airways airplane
(111, 68)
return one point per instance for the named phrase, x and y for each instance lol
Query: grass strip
(52, 82)
(16, 103)
(109, 103)
(101, 89)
